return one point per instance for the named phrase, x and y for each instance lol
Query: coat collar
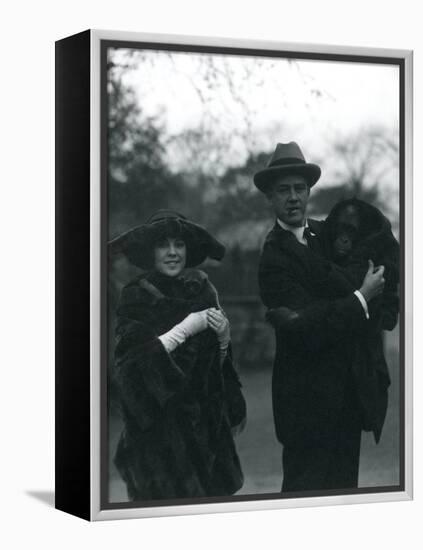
(287, 240)
(281, 229)
(297, 231)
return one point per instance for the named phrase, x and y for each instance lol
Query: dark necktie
(310, 237)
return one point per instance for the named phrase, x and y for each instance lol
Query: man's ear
(269, 194)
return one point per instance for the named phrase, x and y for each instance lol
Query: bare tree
(365, 165)
(226, 97)
(367, 159)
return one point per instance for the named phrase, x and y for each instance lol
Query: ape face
(355, 227)
(346, 231)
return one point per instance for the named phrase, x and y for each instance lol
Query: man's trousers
(329, 463)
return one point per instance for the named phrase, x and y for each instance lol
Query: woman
(180, 395)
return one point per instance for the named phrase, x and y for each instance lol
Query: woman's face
(170, 255)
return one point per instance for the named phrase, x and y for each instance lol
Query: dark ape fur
(355, 232)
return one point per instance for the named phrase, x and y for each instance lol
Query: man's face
(288, 196)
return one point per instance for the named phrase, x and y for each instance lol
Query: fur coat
(179, 407)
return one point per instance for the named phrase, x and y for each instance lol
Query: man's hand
(281, 317)
(373, 282)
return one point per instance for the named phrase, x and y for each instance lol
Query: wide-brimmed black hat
(138, 243)
(287, 159)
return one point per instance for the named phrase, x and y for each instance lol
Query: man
(315, 405)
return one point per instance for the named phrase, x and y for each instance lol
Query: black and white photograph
(253, 215)
(211, 275)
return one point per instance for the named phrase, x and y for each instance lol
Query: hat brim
(138, 244)
(264, 179)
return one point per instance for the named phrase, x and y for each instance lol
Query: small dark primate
(346, 232)
(355, 228)
(354, 233)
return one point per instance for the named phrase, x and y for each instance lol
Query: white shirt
(299, 235)
(297, 231)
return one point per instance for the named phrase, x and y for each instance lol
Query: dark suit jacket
(312, 364)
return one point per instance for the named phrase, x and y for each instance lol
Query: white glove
(191, 325)
(194, 323)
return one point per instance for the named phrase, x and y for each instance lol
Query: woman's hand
(195, 322)
(218, 322)
(191, 325)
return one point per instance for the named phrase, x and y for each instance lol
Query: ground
(260, 453)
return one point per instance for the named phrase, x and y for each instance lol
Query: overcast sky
(266, 100)
(353, 94)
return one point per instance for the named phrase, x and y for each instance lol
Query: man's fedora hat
(138, 243)
(287, 159)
